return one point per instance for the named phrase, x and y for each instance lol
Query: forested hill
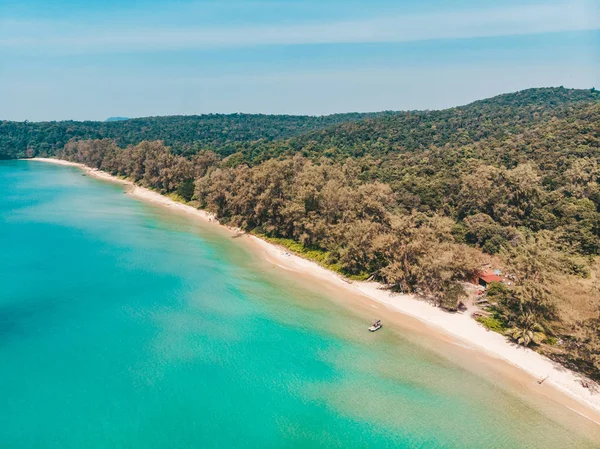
(338, 135)
(493, 118)
(184, 134)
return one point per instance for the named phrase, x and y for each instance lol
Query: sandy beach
(560, 383)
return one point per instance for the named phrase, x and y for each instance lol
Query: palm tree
(528, 331)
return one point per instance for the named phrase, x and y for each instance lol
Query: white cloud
(570, 16)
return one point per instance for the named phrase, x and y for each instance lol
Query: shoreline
(460, 327)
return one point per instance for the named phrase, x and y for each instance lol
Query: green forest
(418, 200)
(183, 134)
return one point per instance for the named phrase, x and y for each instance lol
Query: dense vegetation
(420, 201)
(414, 131)
(184, 134)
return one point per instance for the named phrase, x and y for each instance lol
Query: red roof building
(486, 278)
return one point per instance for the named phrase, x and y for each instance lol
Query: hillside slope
(493, 118)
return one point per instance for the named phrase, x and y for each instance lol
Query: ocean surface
(125, 326)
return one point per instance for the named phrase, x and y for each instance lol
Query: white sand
(462, 326)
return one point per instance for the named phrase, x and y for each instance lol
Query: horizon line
(384, 111)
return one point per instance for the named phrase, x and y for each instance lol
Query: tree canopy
(184, 134)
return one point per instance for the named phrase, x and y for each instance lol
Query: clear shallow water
(124, 327)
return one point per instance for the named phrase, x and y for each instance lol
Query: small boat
(376, 326)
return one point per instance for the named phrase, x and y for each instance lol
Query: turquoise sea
(125, 326)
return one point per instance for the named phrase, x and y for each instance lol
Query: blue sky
(78, 59)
